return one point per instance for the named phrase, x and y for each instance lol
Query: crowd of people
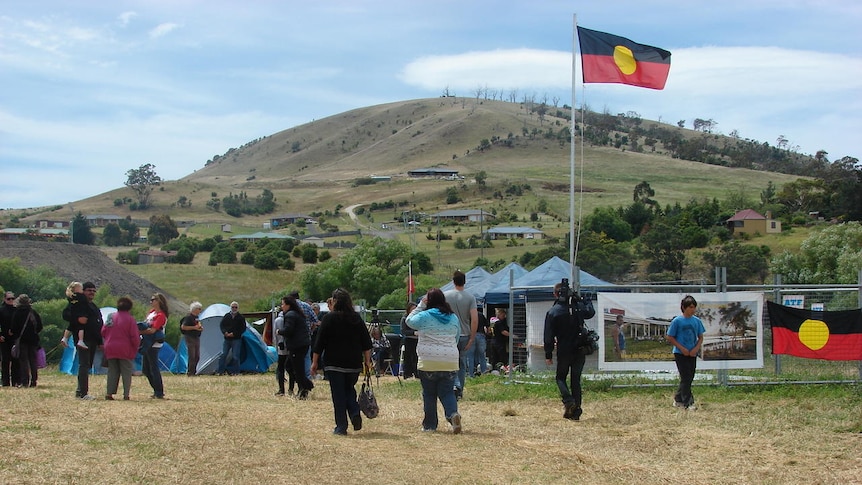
(445, 339)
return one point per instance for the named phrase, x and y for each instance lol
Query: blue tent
(546, 275)
(255, 355)
(476, 277)
(69, 360)
(500, 277)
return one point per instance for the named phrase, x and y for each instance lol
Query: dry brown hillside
(313, 167)
(85, 263)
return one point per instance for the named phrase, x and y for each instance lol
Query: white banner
(632, 328)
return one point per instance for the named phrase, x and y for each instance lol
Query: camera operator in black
(564, 324)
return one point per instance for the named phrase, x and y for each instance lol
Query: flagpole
(572, 260)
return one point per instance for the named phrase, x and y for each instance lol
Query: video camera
(574, 301)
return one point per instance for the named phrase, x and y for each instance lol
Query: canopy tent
(475, 278)
(543, 278)
(69, 360)
(255, 355)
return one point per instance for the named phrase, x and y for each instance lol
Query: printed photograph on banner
(632, 329)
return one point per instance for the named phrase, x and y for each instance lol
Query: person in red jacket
(121, 339)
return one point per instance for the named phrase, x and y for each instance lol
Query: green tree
(481, 177)
(610, 222)
(309, 253)
(143, 181)
(162, 229)
(112, 235)
(452, 196)
(664, 245)
(373, 268)
(832, 255)
(81, 232)
(745, 264)
(184, 255)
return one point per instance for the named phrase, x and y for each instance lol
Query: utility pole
(72, 225)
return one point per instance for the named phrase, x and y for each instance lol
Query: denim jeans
(150, 368)
(234, 345)
(342, 387)
(476, 355)
(437, 385)
(462, 361)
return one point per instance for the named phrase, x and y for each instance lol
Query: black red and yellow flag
(816, 335)
(608, 58)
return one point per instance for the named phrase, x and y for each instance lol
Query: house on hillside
(260, 235)
(434, 173)
(154, 256)
(288, 219)
(102, 220)
(51, 224)
(514, 233)
(749, 221)
(462, 215)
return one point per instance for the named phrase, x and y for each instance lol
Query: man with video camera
(564, 327)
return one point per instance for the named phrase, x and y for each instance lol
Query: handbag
(366, 400)
(16, 347)
(41, 358)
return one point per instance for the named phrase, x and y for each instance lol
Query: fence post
(721, 287)
(777, 298)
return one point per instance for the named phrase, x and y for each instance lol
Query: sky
(91, 89)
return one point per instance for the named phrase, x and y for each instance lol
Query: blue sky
(91, 89)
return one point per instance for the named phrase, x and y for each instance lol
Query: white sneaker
(87, 397)
(692, 407)
(456, 423)
(82, 345)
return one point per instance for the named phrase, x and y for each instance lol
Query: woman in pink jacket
(122, 339)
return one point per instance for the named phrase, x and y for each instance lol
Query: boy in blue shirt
(686, 334)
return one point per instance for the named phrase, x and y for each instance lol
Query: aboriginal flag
(608, 58)
(816, 335)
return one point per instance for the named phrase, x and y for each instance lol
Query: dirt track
(85, 263)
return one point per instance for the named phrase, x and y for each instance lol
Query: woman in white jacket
(438, 329)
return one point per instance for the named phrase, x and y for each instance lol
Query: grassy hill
(314, 167)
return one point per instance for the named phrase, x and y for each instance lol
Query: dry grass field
(233, 430)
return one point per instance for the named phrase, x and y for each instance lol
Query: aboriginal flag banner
(816, 335)
(608, 58)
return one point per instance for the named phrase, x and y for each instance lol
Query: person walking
(232, 327)
(191, 328)
(296, 340)
(463, 304)
(564, 323)
(686, 335)
(152, 340)
(26, 325)
(410, 340)
(121, 341)
(439, 331)
(345, 341)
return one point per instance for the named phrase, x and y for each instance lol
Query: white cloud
(164, 29)
(126, 17)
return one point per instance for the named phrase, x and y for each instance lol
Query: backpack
(67, 313)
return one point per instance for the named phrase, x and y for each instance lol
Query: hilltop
(314, 167)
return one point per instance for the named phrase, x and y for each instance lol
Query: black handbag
(16, 347)
(366, 399)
